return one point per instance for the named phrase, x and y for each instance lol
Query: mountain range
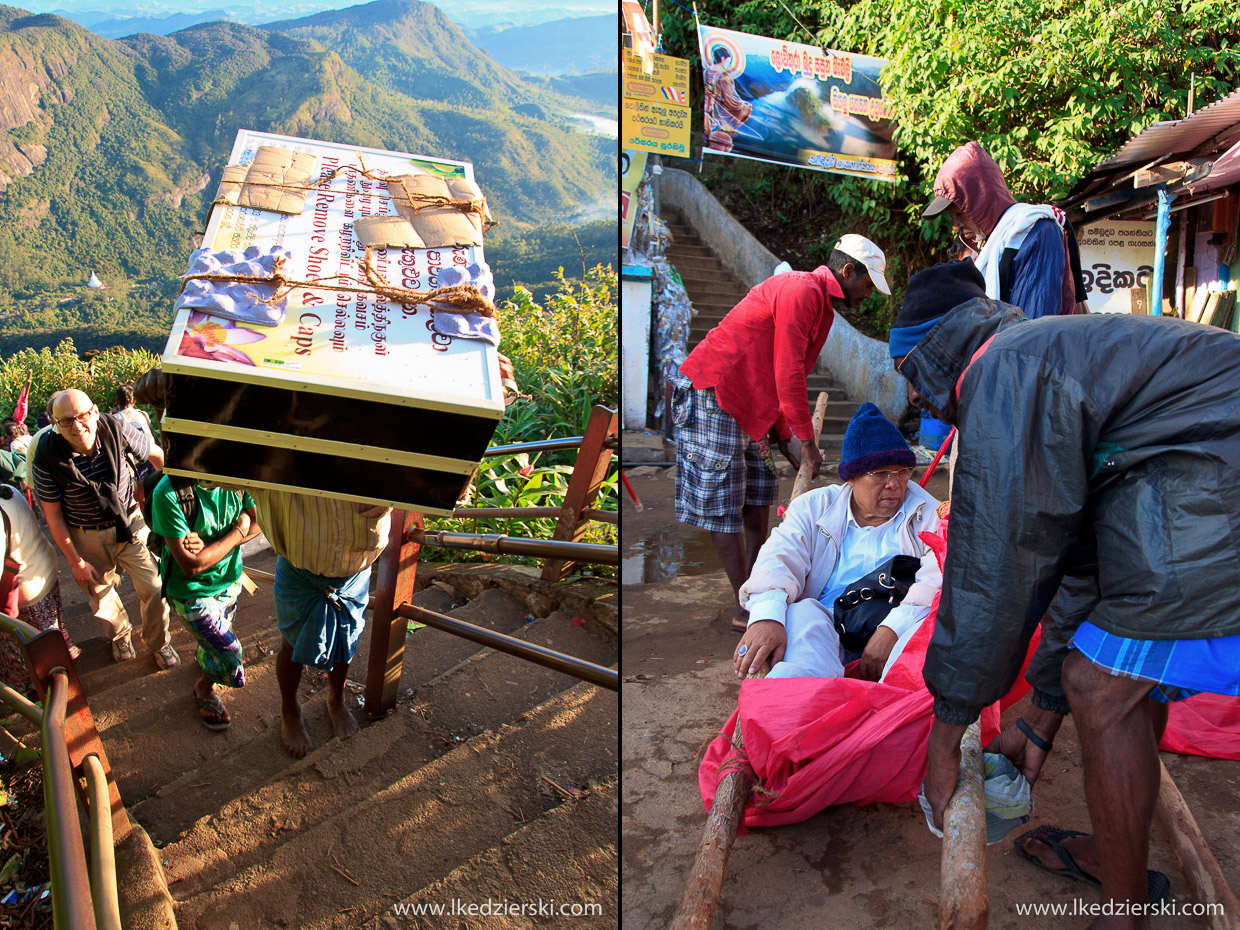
(564, 46)
(110, 15)
(110, 150)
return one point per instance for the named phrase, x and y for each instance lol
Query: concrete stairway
(714, 291)
(493, 778)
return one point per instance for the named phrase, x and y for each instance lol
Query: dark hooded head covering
(927, 298)
(973, 181)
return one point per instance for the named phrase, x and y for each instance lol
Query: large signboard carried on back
(795, 105)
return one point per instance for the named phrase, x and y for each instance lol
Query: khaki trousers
(101, 550)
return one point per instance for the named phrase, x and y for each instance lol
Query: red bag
(817, 742)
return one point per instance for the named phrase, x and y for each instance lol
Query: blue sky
(475, 13)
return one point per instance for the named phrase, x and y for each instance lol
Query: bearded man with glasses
(830, 538)
(86, 487)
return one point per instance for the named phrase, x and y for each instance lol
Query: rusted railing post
(44, 653)
(588, 473)
(394, 576)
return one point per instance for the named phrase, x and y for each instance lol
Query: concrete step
(712, 306)
(450, 674)
(386, 845)
(126, 717)
(528, 860)
(688, 265)
(713, 289)
(682, 250)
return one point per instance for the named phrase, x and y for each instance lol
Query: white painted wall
(635, 288)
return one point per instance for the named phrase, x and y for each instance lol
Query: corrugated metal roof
(1225, 173)
(1177, 137)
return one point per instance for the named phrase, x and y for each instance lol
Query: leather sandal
(214, 707)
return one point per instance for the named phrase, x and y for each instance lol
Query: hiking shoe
(167, 657)
(122, 650)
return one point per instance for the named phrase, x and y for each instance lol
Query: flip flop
(212, 705)
(739, 625)
(1158, 886)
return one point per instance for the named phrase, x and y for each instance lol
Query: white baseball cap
(867, 253)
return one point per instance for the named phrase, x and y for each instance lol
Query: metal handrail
(502, 544)
(71, 899)
(501, 513)
(22, 704)
(103, 891)
(19, 628)
(539, 445)
(540, 655)
(80, 896)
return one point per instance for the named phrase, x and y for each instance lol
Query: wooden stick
(1201, 870)
(701, 897)
(964, 901)
(804, 475)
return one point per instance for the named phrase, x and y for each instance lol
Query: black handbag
(867, 601)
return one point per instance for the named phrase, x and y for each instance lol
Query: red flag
(19, 412)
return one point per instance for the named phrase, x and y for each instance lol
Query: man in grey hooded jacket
(1100, 453)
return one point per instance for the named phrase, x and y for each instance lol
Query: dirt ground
(848, 867)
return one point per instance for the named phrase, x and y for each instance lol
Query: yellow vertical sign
(656, 115)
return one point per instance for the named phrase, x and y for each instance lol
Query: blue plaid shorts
(1177, 668)
(719, 469)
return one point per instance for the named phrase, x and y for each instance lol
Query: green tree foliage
(537, 259)
(52, 370)
(136, 133)
(1049, 88)
(564, 354)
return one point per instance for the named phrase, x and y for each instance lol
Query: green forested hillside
(109, 163)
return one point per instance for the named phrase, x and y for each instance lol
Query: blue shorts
(320, 618)
(1177, 668)
(719, 469)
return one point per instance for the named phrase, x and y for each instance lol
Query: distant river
(600, 124)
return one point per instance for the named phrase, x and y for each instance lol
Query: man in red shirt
(745, 381)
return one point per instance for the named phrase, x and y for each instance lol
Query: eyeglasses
(897, 476)
(82, 418)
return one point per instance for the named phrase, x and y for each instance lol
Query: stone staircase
(714, 291)
(493, 779)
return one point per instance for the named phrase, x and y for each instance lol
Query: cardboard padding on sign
(444, 212)
(387, 232)
(276, 180)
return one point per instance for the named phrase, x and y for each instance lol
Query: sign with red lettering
(795, 105)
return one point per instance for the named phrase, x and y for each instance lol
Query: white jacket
(800, 555)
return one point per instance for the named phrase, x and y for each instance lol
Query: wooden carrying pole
(804, 475)
(701, 898)
(964, 901)
(1201, 870)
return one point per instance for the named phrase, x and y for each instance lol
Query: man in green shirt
(203, 529)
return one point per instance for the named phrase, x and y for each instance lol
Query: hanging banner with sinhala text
(795, 105)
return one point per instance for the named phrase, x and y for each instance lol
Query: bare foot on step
(344, 724)
(294, 735)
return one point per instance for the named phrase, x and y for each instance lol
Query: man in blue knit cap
(830, 538)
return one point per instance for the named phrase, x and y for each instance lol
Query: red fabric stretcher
(818, 742)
